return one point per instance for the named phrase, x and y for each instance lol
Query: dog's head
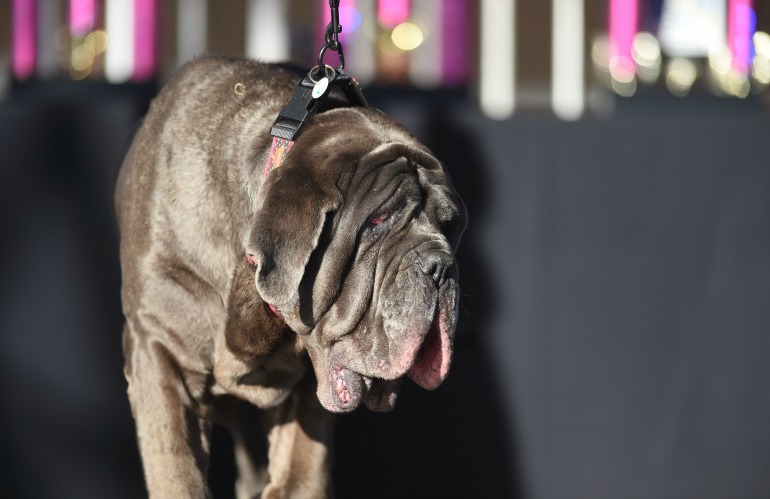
(354, 238)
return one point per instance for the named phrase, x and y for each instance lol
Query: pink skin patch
(341, 387)
(274, 310)
(374, 222)
(347, 388)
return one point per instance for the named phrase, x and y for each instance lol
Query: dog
(307, 290)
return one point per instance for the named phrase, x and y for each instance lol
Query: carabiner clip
(333, 30)
(337, 47)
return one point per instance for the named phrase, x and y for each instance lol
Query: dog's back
(208, 128)
(183, 197)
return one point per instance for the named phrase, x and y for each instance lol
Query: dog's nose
(437, 265)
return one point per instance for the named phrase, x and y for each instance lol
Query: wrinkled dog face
(355, 238)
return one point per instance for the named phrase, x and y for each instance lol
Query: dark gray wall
(614, 330)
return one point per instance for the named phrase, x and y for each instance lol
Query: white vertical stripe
(192, 29)
(497, 65)
(359, 48)
(690, 28)
(425, 67)
(48, 17)
(567, 59)
(267, 30)
(119, 57)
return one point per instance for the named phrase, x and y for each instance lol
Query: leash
(307, 100)
(311, 92)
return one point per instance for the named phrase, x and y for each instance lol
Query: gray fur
(368, 305)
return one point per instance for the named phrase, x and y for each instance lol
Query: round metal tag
(320, 88)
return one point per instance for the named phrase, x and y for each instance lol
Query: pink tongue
(432, 364)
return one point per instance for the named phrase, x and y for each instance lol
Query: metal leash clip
(314, 88)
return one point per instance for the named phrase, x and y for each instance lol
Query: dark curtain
(614, 325)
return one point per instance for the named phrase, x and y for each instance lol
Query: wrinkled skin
(382, 277)
(351, 240)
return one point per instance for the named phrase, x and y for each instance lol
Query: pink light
(741, 24)
(350, 18)
(82, 17)
(623, 22)
(145, 19)
(391, 13)
(454, 50)
(23, 38)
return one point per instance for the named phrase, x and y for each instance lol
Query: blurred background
(614, 157)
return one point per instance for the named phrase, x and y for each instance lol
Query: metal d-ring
(334, 45)
(328, 72)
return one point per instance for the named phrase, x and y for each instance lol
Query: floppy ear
(443, 205)
(292, 210)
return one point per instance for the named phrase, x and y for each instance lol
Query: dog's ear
(292, 210)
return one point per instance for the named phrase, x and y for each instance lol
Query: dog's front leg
(173, 440)
(299, 439)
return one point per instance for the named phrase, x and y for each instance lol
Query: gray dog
(233, 276)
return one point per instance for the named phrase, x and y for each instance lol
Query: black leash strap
(314, 88)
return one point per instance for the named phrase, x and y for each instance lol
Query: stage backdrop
(614, 325)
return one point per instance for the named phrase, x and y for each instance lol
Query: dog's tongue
(346, 388)
(432, 364)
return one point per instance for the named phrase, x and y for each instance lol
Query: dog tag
(320, 88)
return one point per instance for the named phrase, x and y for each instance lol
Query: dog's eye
(382, 217)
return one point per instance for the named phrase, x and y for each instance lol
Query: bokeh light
(600, 53)
(407, 36)
(681, 73)
(760, 68)
(622, 76)
(422, 43)
(85, 52)
(647, 56)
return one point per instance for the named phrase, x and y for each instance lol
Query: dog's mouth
(428, 369)
(349, 389)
